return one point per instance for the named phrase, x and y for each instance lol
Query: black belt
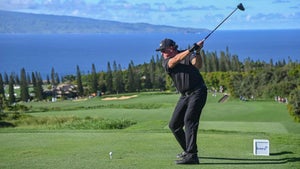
(190, 92)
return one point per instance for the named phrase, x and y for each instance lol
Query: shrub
(99, 123)
(294, 104)
(62, 122)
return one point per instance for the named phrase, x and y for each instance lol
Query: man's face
(168, 52)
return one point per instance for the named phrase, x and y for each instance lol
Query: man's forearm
(177, 58)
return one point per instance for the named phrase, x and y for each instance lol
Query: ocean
(41, 53)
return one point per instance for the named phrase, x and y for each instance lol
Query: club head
(241, 7)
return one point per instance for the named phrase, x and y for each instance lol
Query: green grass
(225, 136)
(90, 149)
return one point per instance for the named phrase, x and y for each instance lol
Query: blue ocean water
(64, 52)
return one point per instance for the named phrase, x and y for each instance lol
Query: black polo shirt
(185, 76)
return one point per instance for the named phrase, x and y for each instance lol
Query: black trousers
(185, 119)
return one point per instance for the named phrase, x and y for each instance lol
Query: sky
(258, 14)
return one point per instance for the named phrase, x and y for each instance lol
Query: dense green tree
(17, 80)
(120, 80)
(212, 80)
(34, 84)
(79, 82)
(2, 95)
(57, 81)
(130, 77)
(118, 83)
(48, 80)
(102, 82)
(271, 63)
(247, 65)
(246, 88)
(235, 64)
(6, 79)
(39, 87)
(2, 100)
(2, 91)
(11, 91)
(214, 62)
(234, 83)
(161, 83)
(94, 80)
(209, 63)
(68, 79)
(28, 78)
(53, 77)
(228, 60)
(283, 89)
(109, 79)
(294, 104)
(24, 91)
(222, 63)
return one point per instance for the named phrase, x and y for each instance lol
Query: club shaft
(220, 24)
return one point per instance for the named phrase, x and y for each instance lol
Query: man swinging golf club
(183, 67)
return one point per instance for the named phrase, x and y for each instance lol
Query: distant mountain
(16, 22)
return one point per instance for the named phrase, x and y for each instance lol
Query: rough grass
(21, 120)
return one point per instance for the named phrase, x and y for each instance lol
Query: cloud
(281, 1)
(16, 4)
(267, 17)
(284, 19)
(295, 7)
(295, 16)
(210, 7)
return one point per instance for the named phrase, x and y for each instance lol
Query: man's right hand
(200, 44)
(197, 46)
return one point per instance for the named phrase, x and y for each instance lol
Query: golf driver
(240, 7)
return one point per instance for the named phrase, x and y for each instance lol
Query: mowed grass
(225, 138)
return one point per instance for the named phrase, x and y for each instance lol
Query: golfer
(183, 67)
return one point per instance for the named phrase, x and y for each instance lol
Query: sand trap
(120, 98)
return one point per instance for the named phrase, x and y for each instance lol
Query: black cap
(165, 44)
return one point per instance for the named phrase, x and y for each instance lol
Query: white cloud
(248, 18)
(75, 13)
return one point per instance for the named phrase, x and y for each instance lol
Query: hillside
(16, 22)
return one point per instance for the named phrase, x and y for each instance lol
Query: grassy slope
(225, 138)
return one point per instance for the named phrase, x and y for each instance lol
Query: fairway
(264, 127)
(225, 136)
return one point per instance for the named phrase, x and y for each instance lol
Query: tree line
(248, 79)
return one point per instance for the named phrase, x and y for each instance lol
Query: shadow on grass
(247, 161)
(4, 124)
(281, 153)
